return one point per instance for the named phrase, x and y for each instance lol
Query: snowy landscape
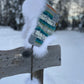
(72, 52)
(69, 35)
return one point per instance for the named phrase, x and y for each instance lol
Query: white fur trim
(25, 30)
(42, 50)
(30, 31)
(34, 81)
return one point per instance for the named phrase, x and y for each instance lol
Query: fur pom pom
(33, 8)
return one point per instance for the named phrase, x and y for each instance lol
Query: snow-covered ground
(72, 51)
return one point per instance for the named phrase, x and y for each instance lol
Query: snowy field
(70, 72)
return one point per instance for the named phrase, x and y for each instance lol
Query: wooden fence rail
(12, 61)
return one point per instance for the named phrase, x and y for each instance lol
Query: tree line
(11, 13)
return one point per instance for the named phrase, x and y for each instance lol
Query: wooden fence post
(39, 75)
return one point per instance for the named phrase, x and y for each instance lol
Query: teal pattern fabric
(46, 25)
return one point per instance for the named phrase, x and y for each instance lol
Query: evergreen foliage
(11, 13)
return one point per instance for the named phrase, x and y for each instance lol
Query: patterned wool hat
(46, 25)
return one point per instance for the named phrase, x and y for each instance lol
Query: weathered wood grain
(12, 62)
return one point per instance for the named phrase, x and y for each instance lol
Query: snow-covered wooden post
(12, 62)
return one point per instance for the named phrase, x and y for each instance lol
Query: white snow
(9, 39)
(34, 81)
(72, 51)
(19, 79)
